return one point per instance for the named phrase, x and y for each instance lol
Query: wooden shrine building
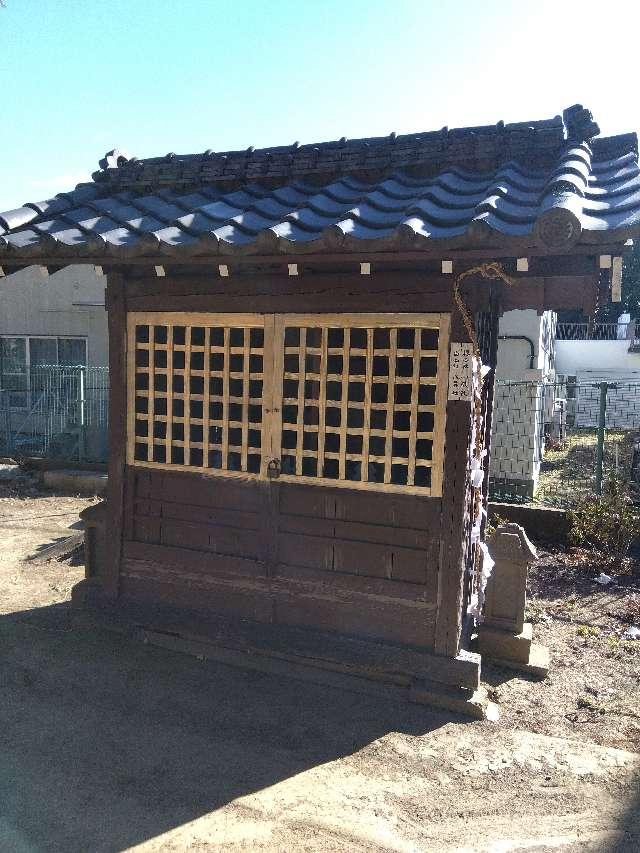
(297, 416)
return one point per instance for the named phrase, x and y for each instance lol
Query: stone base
(515, 651)
(470, 703)
(459, 700)
(537, 664)
(88, 594)
(349, 663)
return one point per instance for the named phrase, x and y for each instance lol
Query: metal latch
(273, 469)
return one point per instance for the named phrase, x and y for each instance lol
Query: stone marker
(504, 636)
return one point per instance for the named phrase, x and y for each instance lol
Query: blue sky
(152, 76)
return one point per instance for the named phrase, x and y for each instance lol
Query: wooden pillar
(455, 508)
(117, 318)
(489, 390)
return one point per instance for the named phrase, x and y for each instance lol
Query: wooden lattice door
(353, 401)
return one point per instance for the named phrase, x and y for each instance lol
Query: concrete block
(537, 663)
(544, 524)
(81, 482)
(496, 643)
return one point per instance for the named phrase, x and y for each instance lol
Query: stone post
(504, 636)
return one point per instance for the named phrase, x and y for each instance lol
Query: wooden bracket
(616, 279)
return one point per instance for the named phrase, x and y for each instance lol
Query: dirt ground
(110, 745)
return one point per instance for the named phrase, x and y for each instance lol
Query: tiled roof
(548, 183)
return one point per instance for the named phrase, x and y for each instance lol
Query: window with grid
(346, 400)
(25, 361)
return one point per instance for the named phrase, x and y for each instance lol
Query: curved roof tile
(509, 184)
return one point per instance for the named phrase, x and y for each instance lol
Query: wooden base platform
(405, 673)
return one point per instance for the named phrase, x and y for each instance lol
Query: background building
(53, 363)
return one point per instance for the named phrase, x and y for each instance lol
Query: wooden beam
(616, 279)
(428, 256)
(115, 299)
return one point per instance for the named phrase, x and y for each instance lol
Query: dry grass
(568, 470)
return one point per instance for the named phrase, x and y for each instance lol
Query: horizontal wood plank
(338, 583)
(197, 514)
(395, 621)
(214, 598)
(356, 531)
(179, 487)
(189, 561)
(367, 507)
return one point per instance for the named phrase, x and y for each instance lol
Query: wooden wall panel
(193, 563)
(402, 511)
(193, 489)
(205, 515)
(401, 537)
(145, 584)
(328, 562)
(398, 621)
(385, 539)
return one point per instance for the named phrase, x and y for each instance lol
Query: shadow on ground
(628, 830)
(106, 743)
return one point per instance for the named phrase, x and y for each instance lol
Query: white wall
(514, 355)
(572, 357)
(518, 409)
(69, 302)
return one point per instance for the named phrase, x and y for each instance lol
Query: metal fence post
(600, 446)
(6, 411)
(82, 438)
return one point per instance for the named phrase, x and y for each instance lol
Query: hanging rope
(491, 270)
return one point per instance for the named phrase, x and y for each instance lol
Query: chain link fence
(557, 442)
(57, 413)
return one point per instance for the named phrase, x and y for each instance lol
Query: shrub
(607, 523)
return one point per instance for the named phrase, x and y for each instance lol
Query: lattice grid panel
(197, 394)
(346, 400)
(359, 404)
